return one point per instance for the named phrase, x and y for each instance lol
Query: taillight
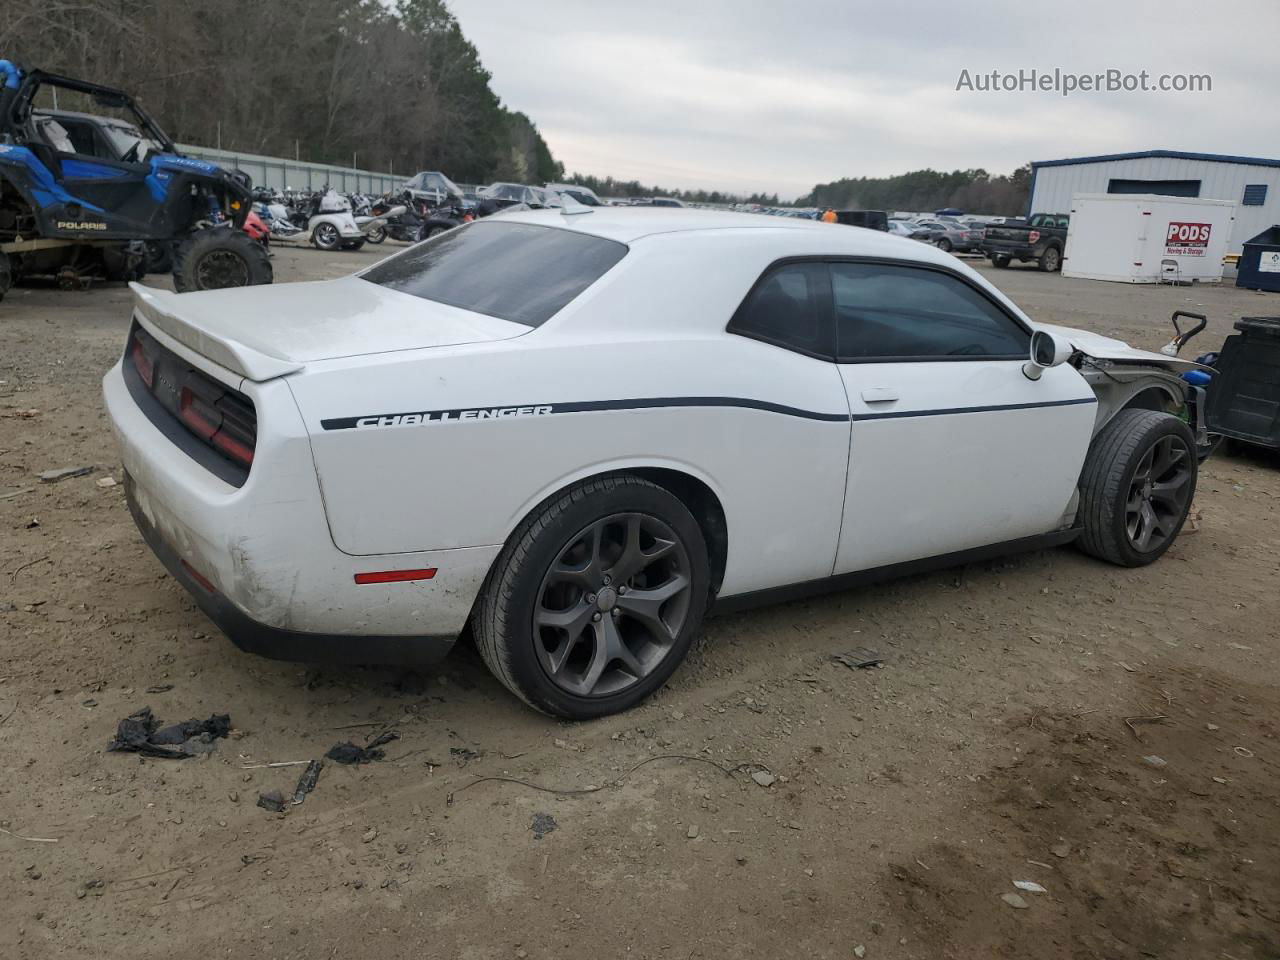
(221, 424)
(142, 361)
(1033, 236)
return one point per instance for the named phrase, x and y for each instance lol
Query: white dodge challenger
(579, 432)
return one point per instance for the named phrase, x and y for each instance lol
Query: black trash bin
(1259, 266)
(1244, 397)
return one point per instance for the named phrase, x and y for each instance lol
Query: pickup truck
(1040, 238)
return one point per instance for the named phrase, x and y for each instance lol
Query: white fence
(281, 174)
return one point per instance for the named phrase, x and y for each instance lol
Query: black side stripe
(416, 417)
(901, 414)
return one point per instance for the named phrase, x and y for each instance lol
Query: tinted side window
(513, 271)
(790, 307)
(887, 311)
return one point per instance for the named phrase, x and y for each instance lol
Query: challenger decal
(419, 418)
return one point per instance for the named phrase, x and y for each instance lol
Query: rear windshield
(513, 271)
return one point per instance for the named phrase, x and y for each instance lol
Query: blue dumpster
(1259, 266)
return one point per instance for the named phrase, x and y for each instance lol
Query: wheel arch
(1149, 393)
(691, 486)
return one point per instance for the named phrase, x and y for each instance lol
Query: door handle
(879, 395)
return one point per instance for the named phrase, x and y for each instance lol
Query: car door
(796, 521)
(951, 445)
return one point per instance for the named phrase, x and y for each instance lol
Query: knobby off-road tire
(219, 257)
(1137, 485)
(557, 568)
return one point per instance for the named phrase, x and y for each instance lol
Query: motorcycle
(332, 225)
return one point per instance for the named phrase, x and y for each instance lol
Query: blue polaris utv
(84, 196)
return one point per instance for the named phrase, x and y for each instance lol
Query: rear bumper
(1017, 251)
(279, 643)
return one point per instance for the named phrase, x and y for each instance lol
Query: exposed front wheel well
(1153, 398)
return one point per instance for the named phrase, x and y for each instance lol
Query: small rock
(1219, 780)
(1212, 726)
(521, 954)
(369, 835)
(1029, 886)
(1013, 900)
(1060, 849)
(877, 927)
(808, 873)
(740, 858)
(693, 832)
(234, 796)
(1156, 761)
(764, 778)
(105, 482)
(677, 714)
(859, 951)
(272, 800)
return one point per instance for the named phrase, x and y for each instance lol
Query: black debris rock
(307, 782)
(859, 658)
(138, 733)
(272, 800)
(464, 755)
(349, 753)
(543, 823)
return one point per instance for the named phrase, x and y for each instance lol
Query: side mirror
(1046, 351)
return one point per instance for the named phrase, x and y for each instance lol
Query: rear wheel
(376, 235)
(944, 245)
(219, 257)
(596, 598)
(1051, 260)
(326, 236)
(1136, 487)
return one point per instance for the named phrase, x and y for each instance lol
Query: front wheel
(219, 257)
(596, 598)
(1136, 487)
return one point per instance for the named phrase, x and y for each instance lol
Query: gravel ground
(771, 802)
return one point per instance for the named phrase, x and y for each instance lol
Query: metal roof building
(1251, 183)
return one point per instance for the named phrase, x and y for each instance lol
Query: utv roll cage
(17, 102)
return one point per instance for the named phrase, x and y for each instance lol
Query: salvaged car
(578, 432)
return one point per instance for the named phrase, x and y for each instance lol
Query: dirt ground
(1009, 736)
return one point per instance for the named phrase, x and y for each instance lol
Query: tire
(352, 244)
(376, 235)
(430, 232)
(326, 237)
(944, 245)
(6, 274)
(1136, 443)
(120, 266)
(159, 256)
(1001, 262)
(1051, 260)
(219, 257)
(524, 590)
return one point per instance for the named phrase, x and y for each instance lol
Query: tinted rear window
(513, 271)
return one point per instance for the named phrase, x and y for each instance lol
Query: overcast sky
(752, 96)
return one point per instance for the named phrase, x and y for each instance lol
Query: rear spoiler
(163, 310)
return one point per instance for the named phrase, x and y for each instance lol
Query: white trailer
(1145, 238)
